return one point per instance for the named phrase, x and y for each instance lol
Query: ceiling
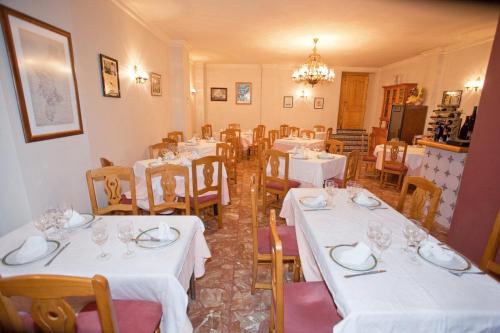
(367, 33)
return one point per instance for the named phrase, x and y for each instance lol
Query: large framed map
(41, 58)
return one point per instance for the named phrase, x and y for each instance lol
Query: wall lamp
(140, 76)
(474, 84)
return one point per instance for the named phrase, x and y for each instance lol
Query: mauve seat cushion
(204, 198)
(125, 201)
(279, 186)
(395, 167)
(287, 236)
(309, 307)
(369, 158)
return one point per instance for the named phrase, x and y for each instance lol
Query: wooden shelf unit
(396, 94)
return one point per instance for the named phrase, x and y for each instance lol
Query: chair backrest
(351, 167)
(394, 149)
(273, 136)
(277, 301)
(284, 130)
(171, 144)
(329, 133)
(309, 133)
(168, 182)
(295, 131)
(334, 146)
(234, 126)
(178, 136)
(50, 310)
(227, 153)
(319, 128)
(262, 130)
(206, 131)
(158, 149)
(488, 263)
(105, 162)
(424, 190)
(207, 166)
(112, 177)
(274, 158)
(255, 135)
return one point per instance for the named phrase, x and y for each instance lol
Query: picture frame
(47, 96)
(155, 80)
(218, 94)
(243, 93)
(287, 102)
(110, 76)
(452, 98)
(319, 102)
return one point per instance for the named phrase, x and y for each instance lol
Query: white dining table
(160, 275)
(285, 144)
(408, 297)
(202, 147)
(414, 158)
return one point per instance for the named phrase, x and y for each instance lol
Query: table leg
(192, 287)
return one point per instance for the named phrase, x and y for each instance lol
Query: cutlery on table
(151, 238)
(90, 224)
(332, 246)
(462, 273)
(365, 273)
(374, 208)
(314, 209)
(58, 253)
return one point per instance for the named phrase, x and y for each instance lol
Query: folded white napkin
(362, 199)
(357, 255)
(441, 254)
(195, 155)
(319, 201)
(75, 219)
(324, 154)
(34, 246)
(164, 232)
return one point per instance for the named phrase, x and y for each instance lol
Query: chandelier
(314, 70)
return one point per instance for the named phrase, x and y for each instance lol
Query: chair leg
(264, 201)
(219, 215)
(254, 275)
(296, 270)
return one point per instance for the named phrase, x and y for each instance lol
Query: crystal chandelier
(314, 70)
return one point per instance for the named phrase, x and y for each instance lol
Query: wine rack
(449, 116)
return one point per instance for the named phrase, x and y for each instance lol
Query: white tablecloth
(285, 144)
(160, 275)
(142, 192)
(203, 147)
(408, 297)
(414, 158)
(320, 135)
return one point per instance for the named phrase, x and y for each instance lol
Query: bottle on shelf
(471, 123)
(464, 131)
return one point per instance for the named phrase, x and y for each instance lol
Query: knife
(313, 209)
(58, 253)
(365, 273)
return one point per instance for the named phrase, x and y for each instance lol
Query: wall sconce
(193, 91)
(140, 76)
(303, 94)
(474, 84)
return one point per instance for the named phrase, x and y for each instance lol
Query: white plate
(299, 157)
(325, 157)
(191, 143)
(143, 240)
(307, 202)
(373, 202)
(10, 259)
(458, 263)
(335, 254)
(88, 219)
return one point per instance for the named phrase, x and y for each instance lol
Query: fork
(462, 273)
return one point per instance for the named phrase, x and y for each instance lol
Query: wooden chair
(168, 183)
(329, 133)
(171, 144)
(234, 126)
(488, 263)
(392, 165)
(158, 149)
(350, 171)
(178, 136)
(112, 177)
(262, 130)
(309, 133)
(319, 128)
(369, 160)
(261, 244)
(294, 131)
(51, 311)
(273, 136)
(207, 194)
(309, 305)
(105, 162)
(274, 182)
(227, 152)
(425, 189)
(263, 145)
(206, 131)
(334, 146)
(255, 141)
(284, 130)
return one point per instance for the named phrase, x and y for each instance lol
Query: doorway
(352, 105)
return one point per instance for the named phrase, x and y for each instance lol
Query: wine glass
(42, 224)
(416, 237)
(374, 228)
(383, 240)
(125, 234)
(330, 187)
(408, 229)
(100, 237)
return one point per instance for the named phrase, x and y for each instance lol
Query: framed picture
(452, 98)
(41, 58)
(243, 93)
(319, 102)
(288, 102)
(155, 84)
(110, 76)
(218, 94)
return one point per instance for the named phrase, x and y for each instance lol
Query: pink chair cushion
(395, 167)
(204, 198)
(287, 236)
(125, 201)
(369, 158)
(309, 307)
(279, 186)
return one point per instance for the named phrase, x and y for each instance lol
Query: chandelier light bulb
(314, 71)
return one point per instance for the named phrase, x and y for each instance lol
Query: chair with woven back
(488, 263)
(350, 170)
(425, 191)
(392, 164)
(294, 131)
(334, 146)
(275, 178)
(168, 175)
(273, 136)
(284, 130)
(206, 131)
(207, 193)
(228, 154)
(159, 149)
(51, 309)
(319, 128)
(178, 136)
(105, 162)
(308, 133)
(261, 244)
(233, 126)
(300, 306)
(112, 177)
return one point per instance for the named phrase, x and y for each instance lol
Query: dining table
(287, 143)
(160, 275)
(201, 147)
(410, 296)
(414, 158)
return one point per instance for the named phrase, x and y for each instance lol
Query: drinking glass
(416, 237)
(383, 240)
(408, 230)
(353, 189)
(100, 237)
(125, 234)
(330, 188)
(42, 224)
(374, 228)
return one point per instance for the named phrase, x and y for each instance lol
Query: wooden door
(353, 91)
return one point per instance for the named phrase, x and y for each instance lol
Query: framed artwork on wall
(41, 58)
(319, 102)
(218, 94)
(110, 76)
(155, 84)
(243, 93)
(452, 98)
(288, 102)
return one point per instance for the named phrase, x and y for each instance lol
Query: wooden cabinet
(406, 122)
(393, 95)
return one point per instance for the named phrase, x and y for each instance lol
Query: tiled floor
(223, 300)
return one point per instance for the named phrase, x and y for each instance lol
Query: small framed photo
(288, 102)
(218, 94)
(319, 102)
(110, 76)
(243, 93)
(155, 84)
(452, 98)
